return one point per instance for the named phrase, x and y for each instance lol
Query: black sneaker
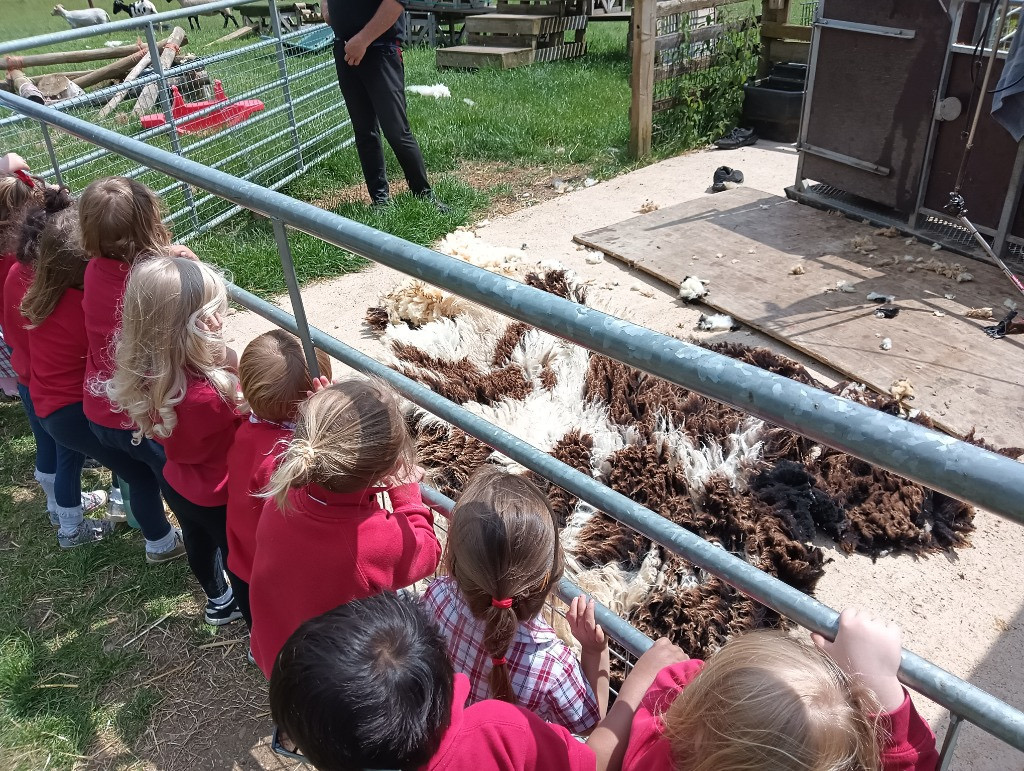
(738, 137)
(431, 198)
(380, 203)
(219, 615)
(724, 174)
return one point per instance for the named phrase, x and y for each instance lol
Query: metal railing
(302, 120)
(964, 471)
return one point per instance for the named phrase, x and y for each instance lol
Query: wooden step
(481, 57)
(523, 24)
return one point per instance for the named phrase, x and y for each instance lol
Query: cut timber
(68, 57)
(135, 72)
(22, 85)
(746, 243)
(778, 31)
(149, 94)
(518, 31)
(248, 29)
(482, 57)
(117, 70)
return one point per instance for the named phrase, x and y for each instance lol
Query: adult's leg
(136, 466)
(383, 76)
(364, 126)
(46, 454)
(201, 527)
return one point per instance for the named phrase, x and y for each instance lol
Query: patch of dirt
(524, 185)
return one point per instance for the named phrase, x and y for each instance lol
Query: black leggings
(240, 589)
(204, 530)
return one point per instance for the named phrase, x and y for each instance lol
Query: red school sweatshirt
(16, 285)
(59, 347)
(251, 461)
(909, 742)
(105, 282)
(7, 261)
(197, 449)
(331, 548)
(494, 735)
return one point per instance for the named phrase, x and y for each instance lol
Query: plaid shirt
(6, 369)
(546, 676)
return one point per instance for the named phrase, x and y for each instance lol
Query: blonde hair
(60, 266)
(15, 195)
(348, 437)
(162, 342)
(121, 219)
(274, 375)
(768, 702)
(503, 546)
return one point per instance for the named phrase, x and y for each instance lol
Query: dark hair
(366, 685)
(34, 219)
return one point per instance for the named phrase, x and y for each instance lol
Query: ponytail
(501, 623)
(294, 469)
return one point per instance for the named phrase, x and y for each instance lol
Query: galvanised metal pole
(286, 89)
(163, 93)
(295, 295)
(941, 462)
(977, 706)
(48, 141)
(629, 637)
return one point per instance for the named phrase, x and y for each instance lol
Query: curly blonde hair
(166, 340)
(349, 437)
(767, 702)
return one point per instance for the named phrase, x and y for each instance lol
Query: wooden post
(23, 86)
(113, 71)
(641, 81)
(149, 94)
(67, 57)
(772, 12)
(137, 70)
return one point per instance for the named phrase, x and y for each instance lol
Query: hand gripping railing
(933, 459)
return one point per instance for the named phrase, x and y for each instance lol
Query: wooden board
(478, 57)
(745, 242)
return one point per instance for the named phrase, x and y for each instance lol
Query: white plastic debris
(949, 296)
(438, 90)
(797, 270)
(845, 287)
(716, 322)
(589, 182)
(691, 289)
(593, 258)
(886, 344)
(469, 101)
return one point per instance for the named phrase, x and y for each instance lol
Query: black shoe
(724, 174)
(219, 615)
(92, 464)
(429, 196)
(738, 137)
(380, 203)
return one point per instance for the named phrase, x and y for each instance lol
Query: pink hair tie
(499, 662)
(506, 603)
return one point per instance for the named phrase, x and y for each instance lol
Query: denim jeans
(46, 448)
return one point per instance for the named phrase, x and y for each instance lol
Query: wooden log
(22, 85)
(68, 57)
(245, 31)
(641, 81)
(69, 75)
(134, 73)
(149, 94)
(113, 71)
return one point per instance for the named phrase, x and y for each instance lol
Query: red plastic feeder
(226, 116)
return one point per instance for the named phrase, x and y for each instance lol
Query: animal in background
(87, 17)
(135, 9)
(225, 12)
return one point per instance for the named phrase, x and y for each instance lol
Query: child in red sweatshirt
(172, 378)
(275, 380)
(324, 539)
(770, 701)
(370, 685)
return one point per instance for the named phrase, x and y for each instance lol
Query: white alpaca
(87, 17)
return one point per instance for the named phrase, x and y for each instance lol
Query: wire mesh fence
(264, 108)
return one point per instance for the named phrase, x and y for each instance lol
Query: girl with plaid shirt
(503, 559)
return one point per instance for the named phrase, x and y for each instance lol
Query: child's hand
(660, 655)
(319, 384)
(12, 162)
(584, 626)
(180, 250)
(868, 650)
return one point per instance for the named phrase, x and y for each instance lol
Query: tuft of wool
(716, 322)
(438, 90)
(692, 289)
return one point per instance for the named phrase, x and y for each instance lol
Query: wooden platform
(745, 243)
(481, 57)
